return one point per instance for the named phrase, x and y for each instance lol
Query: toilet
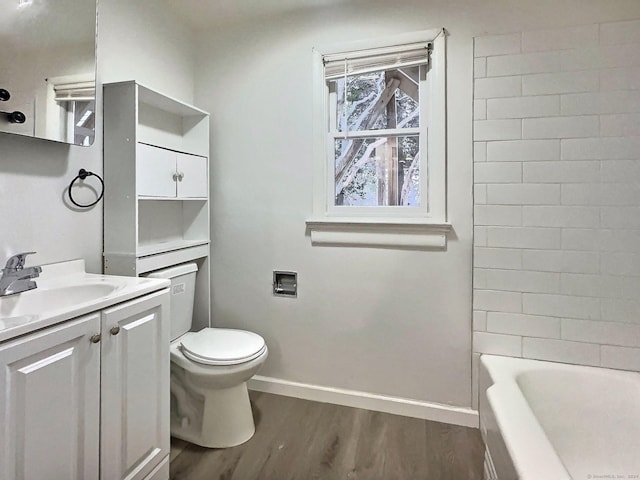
(209, 371)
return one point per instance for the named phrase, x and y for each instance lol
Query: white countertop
(66, 291)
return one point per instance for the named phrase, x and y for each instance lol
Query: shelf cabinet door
(50, 383)
(193, 179)
(155, 171)
(135, 387)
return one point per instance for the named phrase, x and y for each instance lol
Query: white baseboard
(436, 412)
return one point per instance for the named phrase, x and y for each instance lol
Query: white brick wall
(524, 238)
(565, 82)
(522, 107)
(560, 39)
(523, 63)
(497, 172)
(557, 195)
(497, 87)
(522, 151)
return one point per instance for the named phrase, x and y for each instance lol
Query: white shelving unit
(156, 173)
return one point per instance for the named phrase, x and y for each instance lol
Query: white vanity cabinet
(135, 389)
(88, 399)
(50, 403)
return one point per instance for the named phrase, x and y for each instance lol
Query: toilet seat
(222, 346)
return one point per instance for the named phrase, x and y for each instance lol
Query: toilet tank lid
(173, 272)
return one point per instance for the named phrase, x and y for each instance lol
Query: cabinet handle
(175, 176)
(180, 176)
(115, 330)
(95, 338)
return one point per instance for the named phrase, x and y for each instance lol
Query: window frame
(411, 227)
(60, 108)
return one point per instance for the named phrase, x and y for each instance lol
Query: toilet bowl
(209, 369)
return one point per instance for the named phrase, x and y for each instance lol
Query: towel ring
(82, 174)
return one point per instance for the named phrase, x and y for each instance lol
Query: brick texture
(557, 195)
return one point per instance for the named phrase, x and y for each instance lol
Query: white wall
(557, 204)
(137, 40)
(375, 320)
(143, 40)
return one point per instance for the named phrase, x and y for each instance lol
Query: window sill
(383, 232)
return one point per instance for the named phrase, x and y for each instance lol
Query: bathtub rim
(531, 453)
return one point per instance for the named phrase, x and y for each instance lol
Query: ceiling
(41, 22)
(211, 13)
(46, 21)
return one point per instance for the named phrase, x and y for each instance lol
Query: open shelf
(168, 246)
(171, 199)
(167, 103)
(168, 223)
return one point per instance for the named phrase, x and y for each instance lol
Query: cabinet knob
(180, 176)
(95, 338)
(115, 330)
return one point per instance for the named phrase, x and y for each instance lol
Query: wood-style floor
(304, 440)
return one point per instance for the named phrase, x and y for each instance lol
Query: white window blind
(359, 62)
(75, 91)
(70, 88)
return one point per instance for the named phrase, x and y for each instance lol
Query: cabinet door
(135, 387)
(50, 384)
(155, 171)
(193, 178)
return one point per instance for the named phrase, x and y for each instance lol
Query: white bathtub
(551, 421)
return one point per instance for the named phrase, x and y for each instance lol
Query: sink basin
(36, 301)
(65, 291)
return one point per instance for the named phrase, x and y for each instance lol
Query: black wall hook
(15, 117)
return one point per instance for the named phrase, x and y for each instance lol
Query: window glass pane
(378, 100)
(407, 111)
(84, 121)
(377, 171)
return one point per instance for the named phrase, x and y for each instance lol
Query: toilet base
(212, 418)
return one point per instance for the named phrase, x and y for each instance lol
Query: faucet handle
(16, 262)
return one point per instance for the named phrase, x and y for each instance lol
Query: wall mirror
(47, 69)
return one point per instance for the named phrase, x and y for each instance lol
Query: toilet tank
(183, 286)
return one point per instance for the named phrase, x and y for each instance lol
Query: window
(380, 143)
(71, 109)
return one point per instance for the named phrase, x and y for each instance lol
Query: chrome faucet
(15, 278)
